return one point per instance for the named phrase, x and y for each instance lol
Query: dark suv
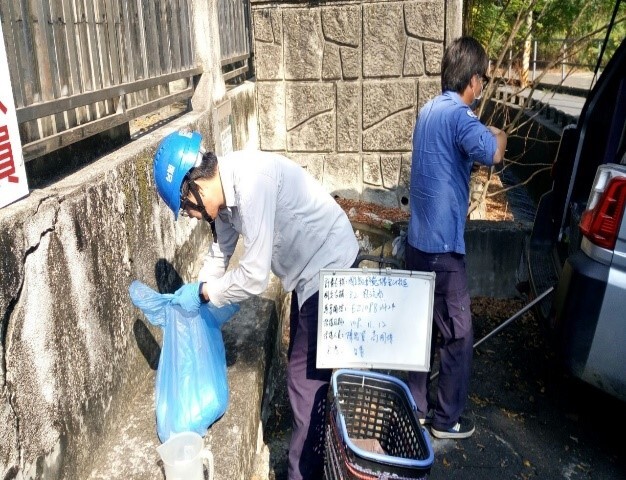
(578, 241)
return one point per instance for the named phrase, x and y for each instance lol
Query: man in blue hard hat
(291, 226)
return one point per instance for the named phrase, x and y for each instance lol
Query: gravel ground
(532, 421)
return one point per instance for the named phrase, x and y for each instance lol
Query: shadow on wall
(147, 344)
(167, 280)
(47, 169)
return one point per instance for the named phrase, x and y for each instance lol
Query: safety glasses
(186, 206)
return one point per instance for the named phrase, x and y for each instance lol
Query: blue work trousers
(452, 334)
(307, 387)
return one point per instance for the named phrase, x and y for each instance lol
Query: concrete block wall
(493, 257)
(339, 85)
(69, 350)
(74, 349)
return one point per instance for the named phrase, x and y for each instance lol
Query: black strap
(199, 206)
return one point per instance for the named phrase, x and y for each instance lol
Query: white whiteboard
(375, 318)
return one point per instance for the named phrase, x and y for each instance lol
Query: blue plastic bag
(191, 381)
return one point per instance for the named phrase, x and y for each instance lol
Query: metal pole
(507, 322)
(510, 61)
(534, 59)
(563, 61)
(521, 312)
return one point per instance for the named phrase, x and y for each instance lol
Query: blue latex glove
(188, 297)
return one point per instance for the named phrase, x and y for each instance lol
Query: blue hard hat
(176, 155)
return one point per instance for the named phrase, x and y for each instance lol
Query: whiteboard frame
(410, 362)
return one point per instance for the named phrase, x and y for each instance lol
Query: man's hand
(501, 140)
(188, 297)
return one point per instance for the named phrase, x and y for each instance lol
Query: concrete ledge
(70, 365)
(128, 448)
(493, 255)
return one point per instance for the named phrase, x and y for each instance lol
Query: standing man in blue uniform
(289, 225)
(448, 139)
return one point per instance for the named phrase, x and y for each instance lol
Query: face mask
(478, 97)
(476, 101)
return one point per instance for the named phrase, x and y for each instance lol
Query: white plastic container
(183, 456)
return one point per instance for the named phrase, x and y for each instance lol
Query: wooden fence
(234, 24)
(82, 67)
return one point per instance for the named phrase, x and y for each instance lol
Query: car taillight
(601, 221)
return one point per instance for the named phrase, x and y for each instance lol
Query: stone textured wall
(339, 85)
(71, 350)
(72, 346)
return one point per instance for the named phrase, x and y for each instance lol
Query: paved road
(532, 421)
(567, 95)
(574, 80)
(563, 102)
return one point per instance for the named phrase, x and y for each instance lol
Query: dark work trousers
(307, 387)
(452, 319)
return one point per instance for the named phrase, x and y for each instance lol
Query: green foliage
(574, 28)
(567, 33)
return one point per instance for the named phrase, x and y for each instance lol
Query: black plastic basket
(373, 406)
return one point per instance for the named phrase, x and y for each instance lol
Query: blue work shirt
(447, 140)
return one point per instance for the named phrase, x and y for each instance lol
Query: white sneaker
(464, 428)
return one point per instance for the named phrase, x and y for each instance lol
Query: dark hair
(206, 169)
(463, 59)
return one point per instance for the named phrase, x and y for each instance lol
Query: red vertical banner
(13, 183)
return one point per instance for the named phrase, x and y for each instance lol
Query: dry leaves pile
(498, 310)
(370, 213)
(496, 206)
(496, 203)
